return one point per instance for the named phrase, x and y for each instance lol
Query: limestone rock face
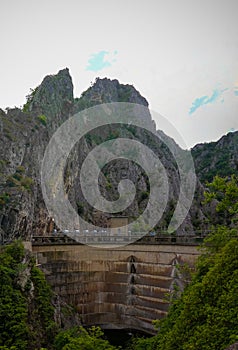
(106, 91)
(24, 135)
(49, 97)
(217, 158)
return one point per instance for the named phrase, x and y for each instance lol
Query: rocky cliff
(216, 158)
(24, 137)
(26, 132)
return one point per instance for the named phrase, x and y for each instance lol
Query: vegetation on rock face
(224, 193)
(13, 304)
(29, 99)
(26, 313)
(43, 119)
(216, 158)
(4, 198)
(19, 180)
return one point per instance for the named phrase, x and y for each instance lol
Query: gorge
(118, 287)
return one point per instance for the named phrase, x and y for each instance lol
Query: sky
(181, 55)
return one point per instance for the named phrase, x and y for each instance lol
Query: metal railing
(107, 239)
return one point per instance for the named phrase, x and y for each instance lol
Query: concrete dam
(116, 288)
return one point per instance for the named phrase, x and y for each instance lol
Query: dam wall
(126, 287)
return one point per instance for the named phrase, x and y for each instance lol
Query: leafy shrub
(82, 339)
(29, 99)
(20, 169)
(80, 208)
(43, 119)
(4, 199)
(19, 180)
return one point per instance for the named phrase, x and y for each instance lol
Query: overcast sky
(181, 55)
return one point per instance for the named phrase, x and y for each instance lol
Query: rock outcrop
(216, 158)
(25, 134)
(106, 91)
(24, 137)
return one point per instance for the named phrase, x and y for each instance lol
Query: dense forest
(203, 317)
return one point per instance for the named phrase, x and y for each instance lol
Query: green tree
(79, 338)
(205, 317)
(13, 307)
(223, 192)
(26, 313)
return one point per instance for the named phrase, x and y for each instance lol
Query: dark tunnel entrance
(122, 337)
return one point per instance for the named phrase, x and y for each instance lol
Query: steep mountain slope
(26, 133)
(24, 136)
(216, 158)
